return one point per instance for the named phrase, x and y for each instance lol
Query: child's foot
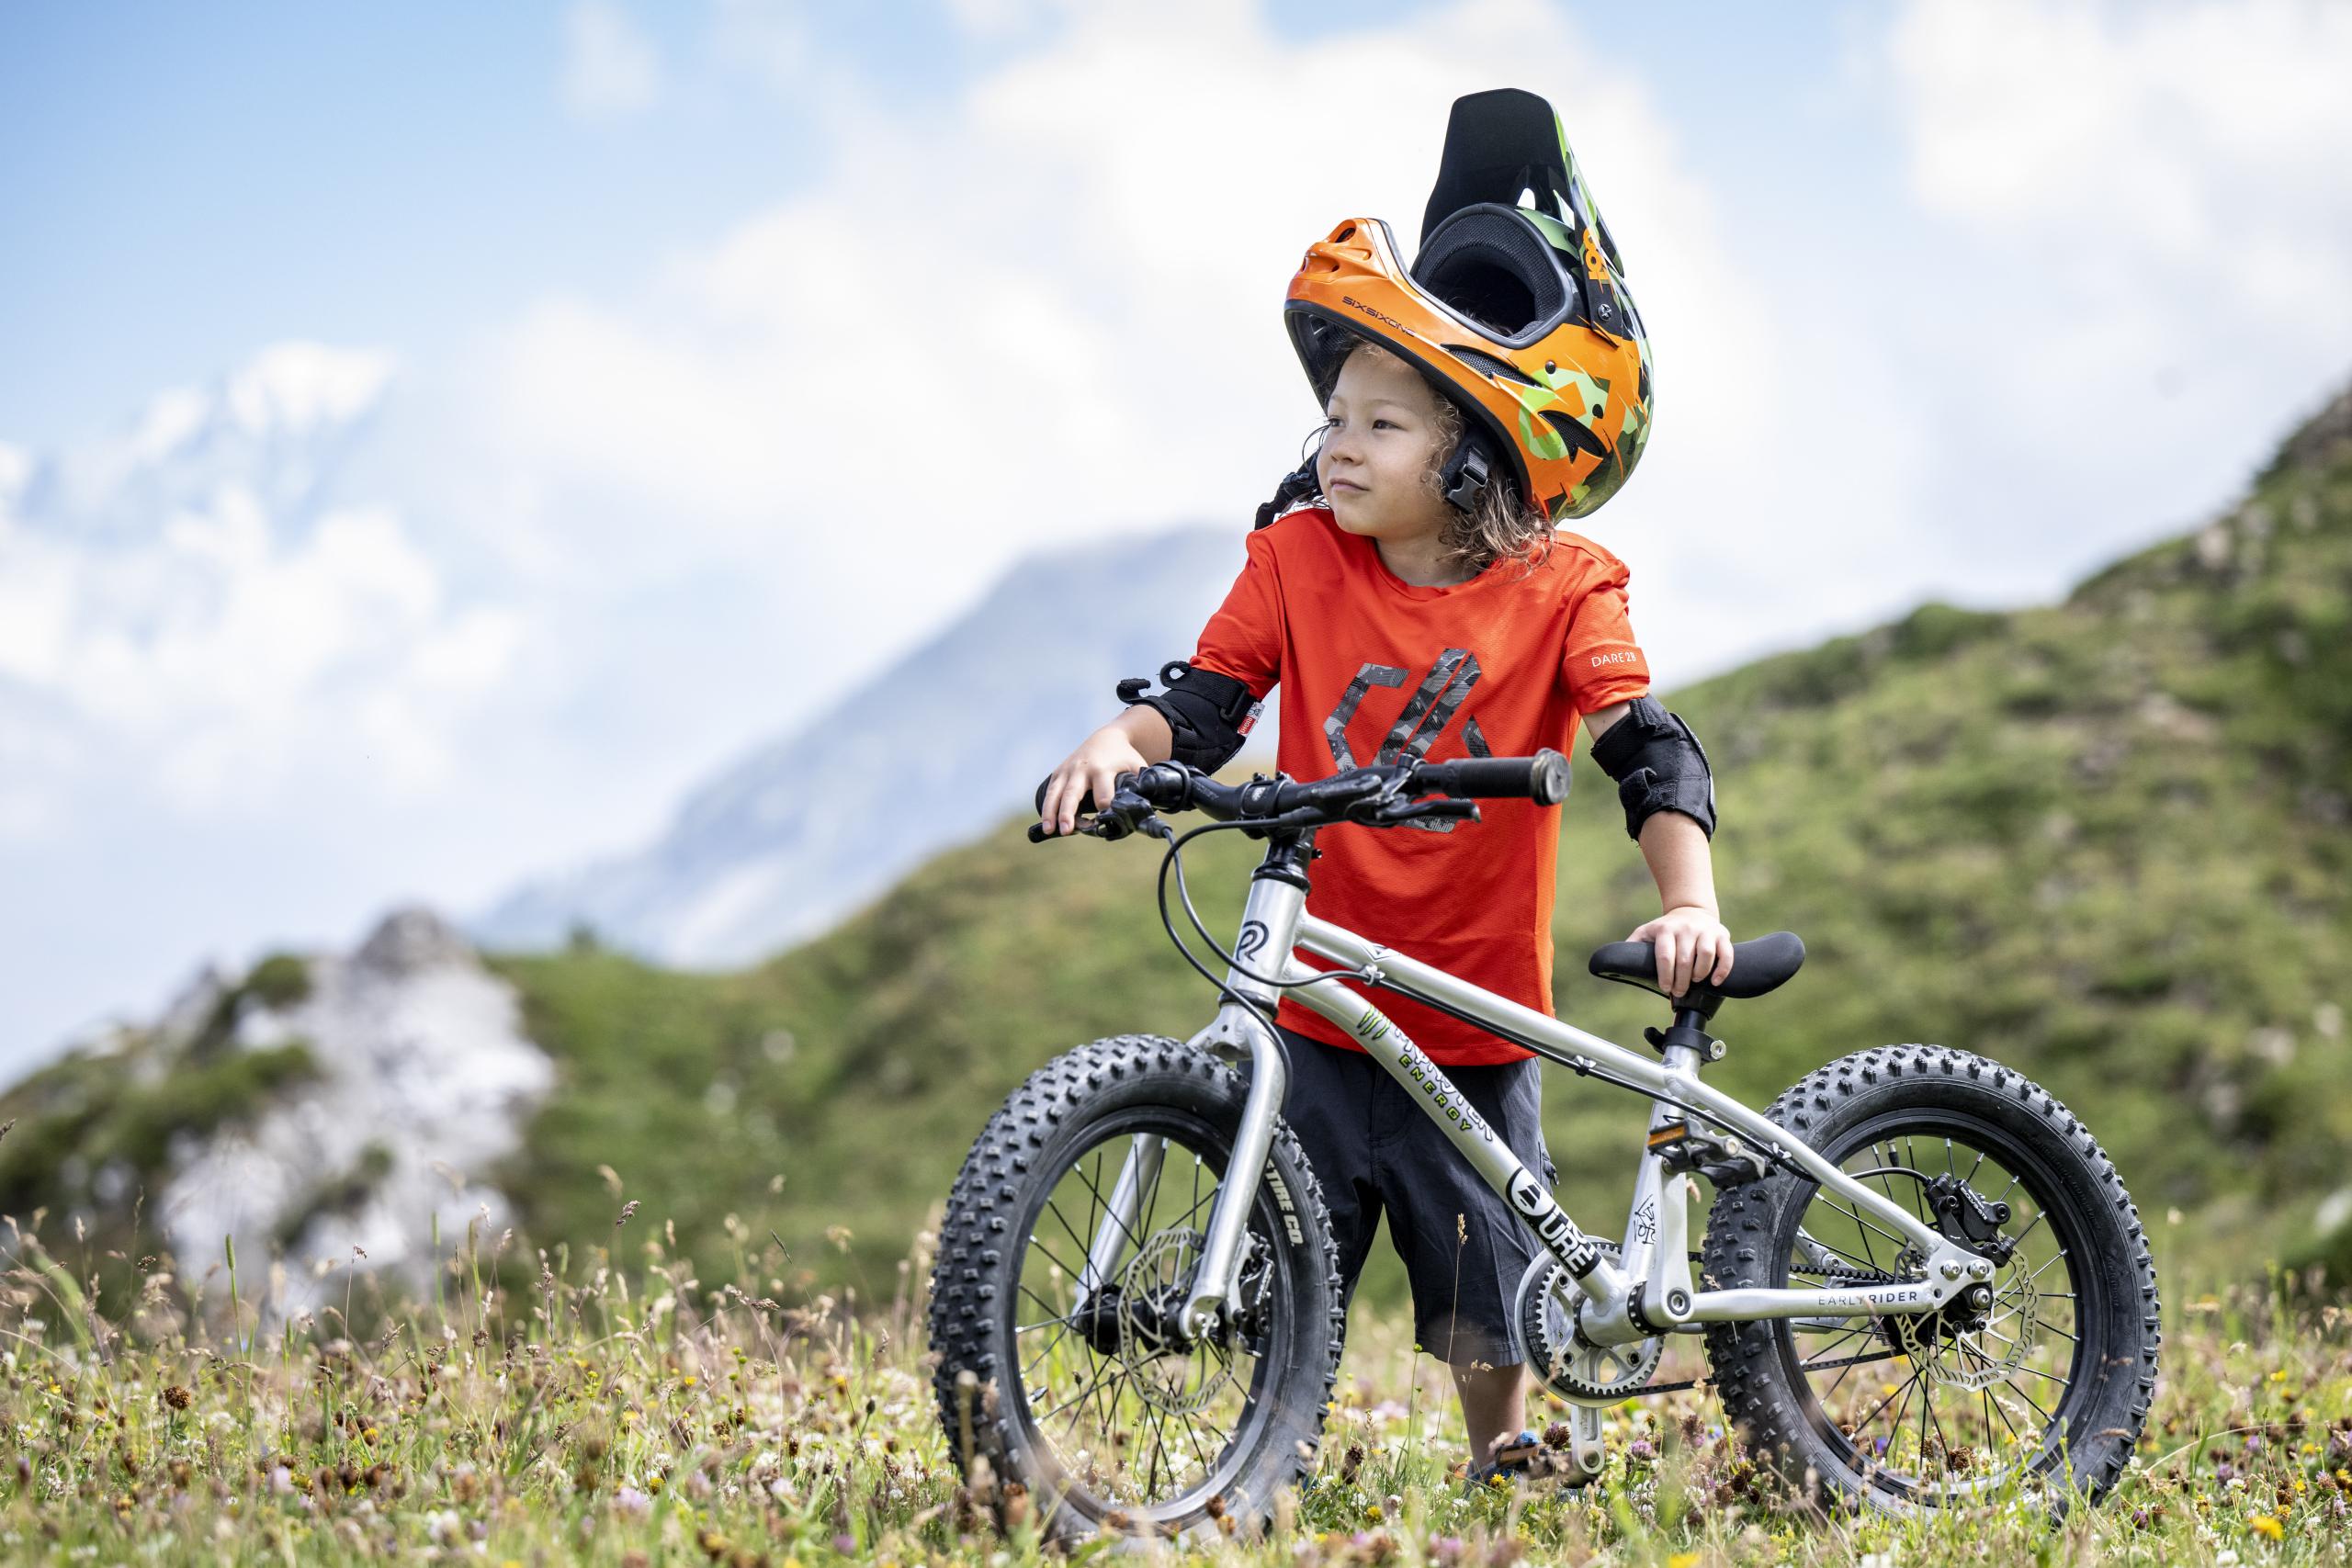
(1510, 1464)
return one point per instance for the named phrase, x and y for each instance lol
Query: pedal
(1723, 1159)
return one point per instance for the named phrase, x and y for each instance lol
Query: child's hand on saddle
(1692, 945)
(1094, 768)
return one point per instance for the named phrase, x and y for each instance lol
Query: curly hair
(1501, 525)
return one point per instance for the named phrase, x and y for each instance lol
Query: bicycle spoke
(1868, 1225)
(2037, 1410)
(1821, 1350)
(1084, 1244)
(1112, 1370)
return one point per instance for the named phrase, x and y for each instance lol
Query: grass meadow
(620, 1410)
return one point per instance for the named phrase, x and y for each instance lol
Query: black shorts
(1373, 1149)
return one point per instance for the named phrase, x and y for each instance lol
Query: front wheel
(1073, 1388)
(2052, 1384)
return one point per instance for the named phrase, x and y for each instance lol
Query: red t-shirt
(1374, 668)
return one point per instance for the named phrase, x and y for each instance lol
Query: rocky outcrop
(422, 1081)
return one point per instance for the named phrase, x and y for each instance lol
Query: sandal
(1510, 1464)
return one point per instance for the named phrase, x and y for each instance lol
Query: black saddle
(1757, 967)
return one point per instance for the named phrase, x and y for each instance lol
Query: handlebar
(1380, 794)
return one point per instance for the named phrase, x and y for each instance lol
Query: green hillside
(2106, 841)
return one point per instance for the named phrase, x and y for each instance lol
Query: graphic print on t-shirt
(1424, 719)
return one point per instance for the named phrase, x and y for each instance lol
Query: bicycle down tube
(1276, 911)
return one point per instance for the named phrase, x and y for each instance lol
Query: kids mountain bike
(1921, 1281)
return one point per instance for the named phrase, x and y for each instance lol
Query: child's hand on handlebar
(1093, 769)
(1692, 945)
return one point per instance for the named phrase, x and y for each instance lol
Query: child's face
(1378, 449)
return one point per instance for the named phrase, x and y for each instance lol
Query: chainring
(1542, 1323)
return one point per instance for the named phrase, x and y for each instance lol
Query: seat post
(1688, 1030)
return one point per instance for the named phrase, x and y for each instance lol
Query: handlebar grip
(1085, 803)
(1542, 778)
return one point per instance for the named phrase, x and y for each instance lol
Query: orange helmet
(1520, 313)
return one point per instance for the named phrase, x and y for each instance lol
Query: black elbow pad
(1208, 713)
(1658, 766)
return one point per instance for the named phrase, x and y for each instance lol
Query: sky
(433, 437)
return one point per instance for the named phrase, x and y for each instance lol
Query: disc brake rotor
(1152, 1289)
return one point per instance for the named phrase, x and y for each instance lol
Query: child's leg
(1494, 1406)
(1463, 1249)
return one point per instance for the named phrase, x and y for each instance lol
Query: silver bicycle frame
(1653, 1289)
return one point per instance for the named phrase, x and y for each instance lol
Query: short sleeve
(1244, 638)
(1602, 662)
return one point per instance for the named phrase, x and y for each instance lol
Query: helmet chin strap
(1297, 486)
(1468, 470)
(1299, 483)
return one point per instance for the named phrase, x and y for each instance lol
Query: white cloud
(175, 607)
(2145, 220)
(610, 68)
(2196, 135)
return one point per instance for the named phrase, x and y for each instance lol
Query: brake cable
(1174, 858)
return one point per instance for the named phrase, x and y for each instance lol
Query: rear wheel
(2049, 1382)
(1083, 1397)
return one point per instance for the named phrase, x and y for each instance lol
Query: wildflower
(2267, 1527)
(175, 1395)
(1683, 1559)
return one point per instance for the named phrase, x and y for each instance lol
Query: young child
(1423, 603)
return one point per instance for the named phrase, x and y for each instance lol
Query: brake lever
(1128, 813)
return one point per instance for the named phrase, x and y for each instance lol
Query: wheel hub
(1155, 1287)
(1973, 1346)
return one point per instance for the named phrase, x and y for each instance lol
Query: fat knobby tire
(1757, 1389)
(976, 1278)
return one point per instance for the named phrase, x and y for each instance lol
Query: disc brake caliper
(1968, 1220)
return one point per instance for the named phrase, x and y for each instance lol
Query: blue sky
(188, 181)
(434, 438)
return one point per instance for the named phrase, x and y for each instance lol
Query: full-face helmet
(1516, 308)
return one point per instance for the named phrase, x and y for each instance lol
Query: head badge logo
(1526, 1194)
